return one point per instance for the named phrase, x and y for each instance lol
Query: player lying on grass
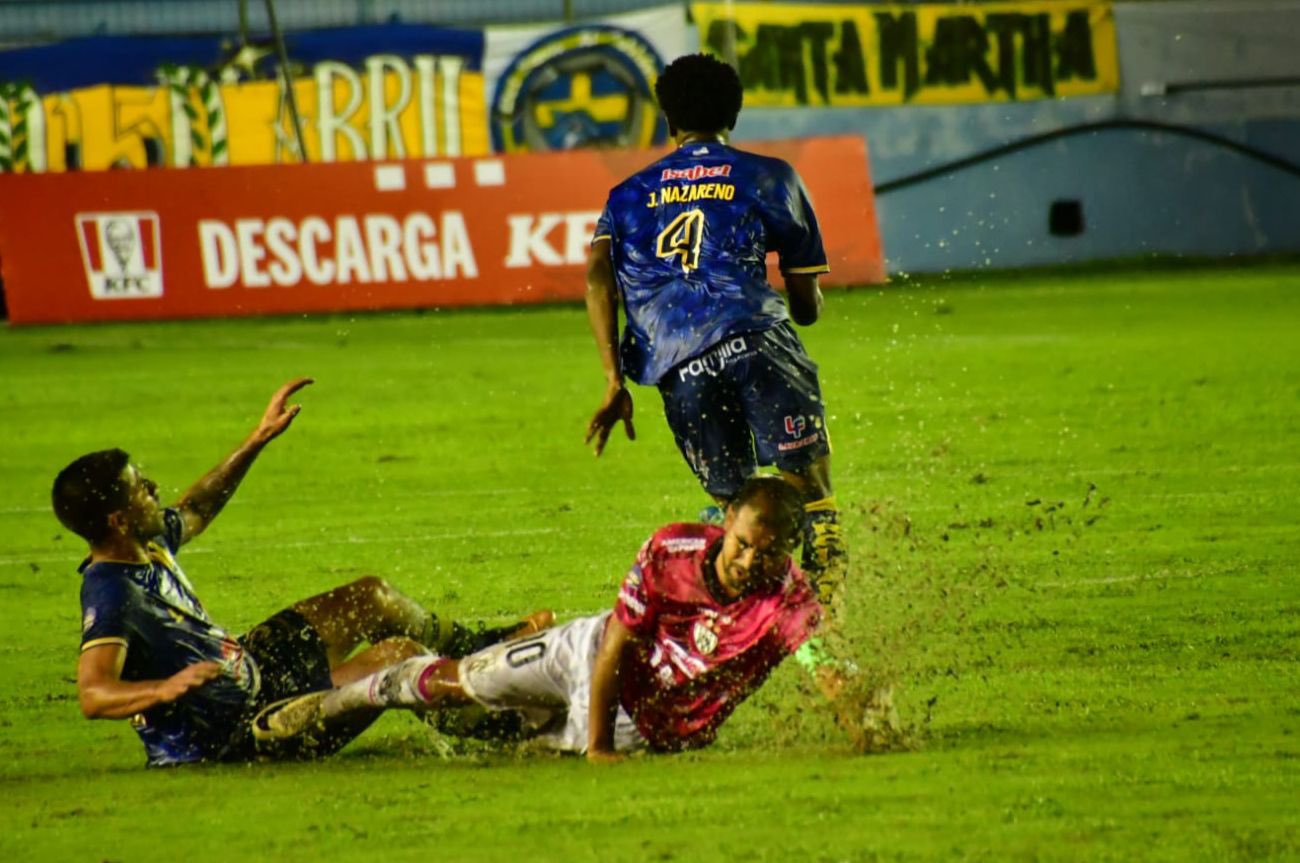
(149, 651)
(683, 244)
(703, 617)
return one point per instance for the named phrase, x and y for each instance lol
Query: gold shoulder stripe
(599, 237)
(820, 268)
(100, 642)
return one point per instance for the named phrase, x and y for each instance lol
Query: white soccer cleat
(290, 718)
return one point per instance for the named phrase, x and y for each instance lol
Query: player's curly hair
(699, 93)
(89, 490)
(778, 504)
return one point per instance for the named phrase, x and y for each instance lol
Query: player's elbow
(805, 298)
(596, 292)
(600, 282)
(92, 707)
(804, 315)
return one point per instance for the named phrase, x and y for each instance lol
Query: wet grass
(1073, 500)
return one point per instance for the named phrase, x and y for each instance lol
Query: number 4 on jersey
(682, 237)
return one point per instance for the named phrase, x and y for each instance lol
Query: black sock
(436, 633)
(463, 641)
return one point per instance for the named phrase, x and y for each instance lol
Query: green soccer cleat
(712, 514)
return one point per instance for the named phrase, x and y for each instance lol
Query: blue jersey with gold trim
(152, 611)
(689, 239)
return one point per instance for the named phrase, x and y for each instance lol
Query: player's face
(143, 513)
(753, 557)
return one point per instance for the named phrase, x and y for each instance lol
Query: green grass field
(1073, 499)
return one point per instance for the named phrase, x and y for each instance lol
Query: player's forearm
(120, 699)
(603, 706)
(602, 314)
(604, 327)
(805, 295)
(205, 498)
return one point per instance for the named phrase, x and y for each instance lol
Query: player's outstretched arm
(602, 314)
(805, 297)
(604, 693)
(103, 694)
(204, 500)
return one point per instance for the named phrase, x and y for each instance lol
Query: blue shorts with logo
(751, 399)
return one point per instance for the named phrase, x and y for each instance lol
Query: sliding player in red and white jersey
(702, 618)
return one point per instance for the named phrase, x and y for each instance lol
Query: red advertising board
(204, 242)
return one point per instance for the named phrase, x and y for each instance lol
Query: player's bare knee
(394, 650)
(813, 482)
(371, 593)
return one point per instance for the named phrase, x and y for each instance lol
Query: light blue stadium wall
(1142, 192)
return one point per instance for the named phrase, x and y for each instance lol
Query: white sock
(395, 686)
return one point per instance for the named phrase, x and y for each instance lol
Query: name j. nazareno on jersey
(685, 194)
(689, 194)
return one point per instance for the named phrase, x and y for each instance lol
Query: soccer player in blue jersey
(684, 244)
(151, 653)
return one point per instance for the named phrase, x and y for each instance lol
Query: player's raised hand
(278, 415)
(616, 406)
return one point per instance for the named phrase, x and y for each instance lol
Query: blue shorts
(293, 660)
(751, 399)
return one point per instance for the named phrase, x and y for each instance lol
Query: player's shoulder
(762, 163)
(797, 587)
(639, 181)
(108, 583)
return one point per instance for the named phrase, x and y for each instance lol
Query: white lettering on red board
(530, 238)
(376, 247)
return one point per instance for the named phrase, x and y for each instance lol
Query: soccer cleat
(290, 718)
(712, 514)
(533, 624)
(465, 641)
(478, 723)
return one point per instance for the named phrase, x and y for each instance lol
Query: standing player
(703, 617)
(684, 242)
(151, 653)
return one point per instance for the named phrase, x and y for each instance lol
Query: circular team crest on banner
(586, 86)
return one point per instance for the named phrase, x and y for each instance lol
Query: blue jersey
(689, 239)
(151, 610)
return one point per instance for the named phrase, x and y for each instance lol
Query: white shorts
(548, 677)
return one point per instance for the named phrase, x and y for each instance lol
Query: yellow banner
(815, 55)
(391, 109)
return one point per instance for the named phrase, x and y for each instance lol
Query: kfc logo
(122, 254)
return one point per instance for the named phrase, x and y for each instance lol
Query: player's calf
(421, 682)
(825, 554)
